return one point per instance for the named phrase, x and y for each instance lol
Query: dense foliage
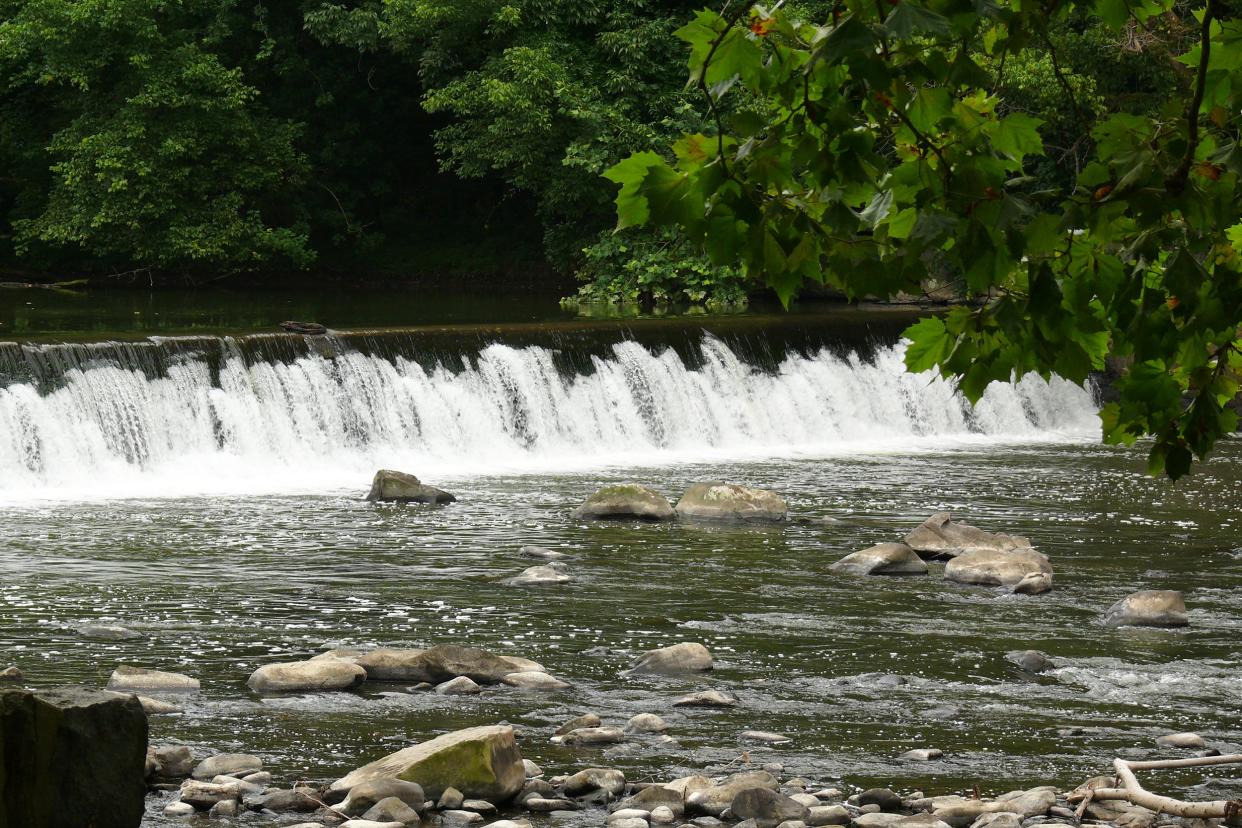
(875, 151)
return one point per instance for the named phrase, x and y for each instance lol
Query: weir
(212, 412)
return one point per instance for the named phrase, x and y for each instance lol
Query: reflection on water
(856, 670)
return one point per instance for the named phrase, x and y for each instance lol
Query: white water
(325, 424)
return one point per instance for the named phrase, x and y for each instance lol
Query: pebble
(479, 806)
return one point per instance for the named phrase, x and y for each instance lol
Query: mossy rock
(481, 762)
(625, 501)
(731, 502)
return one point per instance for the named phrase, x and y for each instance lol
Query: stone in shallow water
(922, 754)
(11, 674)
(1191, 741)
(539, 576)
(109, 632)
(767, 807)
(882, 559)
(625, 501)
(534, 680)
(392, 809)
(133, 679)
(367, 794)
(390, 486)
(1032, 661)
(989, 567)
(941, 536)
(178, 809)
(686, 657)
(731, 502)
(827, 815)
(608, 780)
(460, 686)
(541, 552)
(227, 764)
(593, 736)
(883, 797)
(765, 736)
(646, 723)
(1149, 608)
(706, 698)
(303, 676)
(585, 720)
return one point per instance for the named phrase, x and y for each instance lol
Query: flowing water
(208, 491)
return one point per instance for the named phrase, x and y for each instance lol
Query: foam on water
(324, 423)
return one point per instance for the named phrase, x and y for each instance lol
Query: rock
(11, 674)
(593, 736)
(481, 762)
(1001, 819)
(989, 567)
(363, 796)
(629, 822)
(534, 680)
(441, 663)
(875, 820)
(390, 810)
(539, 576)
(766, 737)
(648, 799)
(882, 559)
(300, 676)
(767, 807)
(687, 785)
(883, 797)
(827, 815)
(958, 812)
(203, 795)
(156, 707)
(536, 787)
(532, 770)
(450, 800)
(178, 809)
(1036, 583)
(541, 552)
(284, 800)
(920, 821)
(1032, 661)
(940, 536)
(922, 754)
(706, 698)
(510, 823)
(608, 780)
(1191, 741)
(646, 723)
(717, 798)
(304, 328)
(70, 757)
(460, 686)
(1149, 608)
(227, 764)
(1034, 802)
(662, 815)
(728, 501)
(629, 813)
(687, 657)
(350, 654)
(170, 761)
(134, 679)
(259, 778)
(224, 809)
(368, 823)
(578, 722)
(542, 805)
(390, 486)
(625, 501)
(479, 806)
(108, 632)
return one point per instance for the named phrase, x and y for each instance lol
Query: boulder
(625, 501)
(165, 762)
(767, 807)
(715, 800)
(365, 795)
(941, 536)
(585, 720)
(1149, 608)
(728, 501)
(227, 764)
(706, 698)
(533, 680)
(1035, 583)
(686, 657)
(129, 679)
(882, 559)
(884, 798)
(539, 576)
(827, 815)
(442, 663)
(70, 757)
(294, 676)
(204, 795)
(646, 723)
(989, 567)
(390, 486)
(608, 780)
(481, 762)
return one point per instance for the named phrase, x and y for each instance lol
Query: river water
(208, 493)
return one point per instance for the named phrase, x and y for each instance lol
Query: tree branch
(1176, 182)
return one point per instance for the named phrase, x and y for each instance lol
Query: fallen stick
(1134, 793)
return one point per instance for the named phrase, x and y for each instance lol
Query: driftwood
(1131, 791)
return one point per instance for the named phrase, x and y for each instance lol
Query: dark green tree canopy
(873, 150)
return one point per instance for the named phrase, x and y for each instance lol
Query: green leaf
(930, 344)
(1017, 135)
(910, 18)
(632, 206)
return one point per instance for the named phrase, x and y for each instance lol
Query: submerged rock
(108, 632)
(539, 576)
(593, 736)
(541, 552)
(132, 679)
(882, 559)
(591, 780)
(941, 536)
(706, 698)
(1190, 741)
(481, 762)
(1149, 608)
(442, 663)
(11, 674)
(729, 501)
(922, 755)
(298, 676)
(585, 720)
(1032, 661)
(687, 657)
(71, 757)
(165, 762)
(625, 501)
(1036, 583)
(988, 567)
(765, 737)
(534, 680)
(390, 486)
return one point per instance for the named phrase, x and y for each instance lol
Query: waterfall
(220, 420)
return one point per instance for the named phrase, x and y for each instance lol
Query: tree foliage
(871, 149)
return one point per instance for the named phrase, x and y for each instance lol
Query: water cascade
(209, 416)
